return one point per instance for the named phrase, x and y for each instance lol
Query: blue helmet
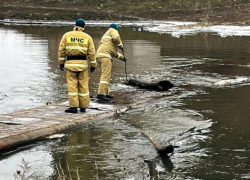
(115, 26)
(80, 22)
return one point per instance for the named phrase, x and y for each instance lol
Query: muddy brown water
(218, 148)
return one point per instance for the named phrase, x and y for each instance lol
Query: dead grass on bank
(214, 11)
(25, 172)
(125, 5)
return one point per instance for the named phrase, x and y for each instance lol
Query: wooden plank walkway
(19, 128)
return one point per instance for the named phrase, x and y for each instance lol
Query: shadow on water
(216, 149)
(152, 166)
(166, 161)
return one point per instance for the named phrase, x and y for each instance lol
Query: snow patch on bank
(227, 82)
(189, 28)
(175, 28)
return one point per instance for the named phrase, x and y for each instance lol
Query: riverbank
(227, 13)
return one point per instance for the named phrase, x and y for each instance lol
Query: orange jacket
(77, 43)
(109, 44)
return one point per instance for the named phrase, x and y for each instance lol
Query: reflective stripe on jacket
(109, 44)
(77, 43)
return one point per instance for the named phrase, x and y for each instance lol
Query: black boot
(102, 97)
(110, 97)
(83, 109)
(71, 110)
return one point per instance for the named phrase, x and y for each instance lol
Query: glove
(122, 49)
(125, 60)
(92, 69)
(61, 67)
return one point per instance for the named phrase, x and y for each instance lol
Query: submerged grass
(25, 172)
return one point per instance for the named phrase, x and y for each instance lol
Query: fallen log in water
(157, 86)
(162, 150)
(26, 126)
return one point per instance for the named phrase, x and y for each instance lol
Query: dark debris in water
(157, 86)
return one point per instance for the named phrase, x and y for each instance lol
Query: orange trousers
(78, 88)
(106, 67)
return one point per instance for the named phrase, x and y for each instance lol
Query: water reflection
(217, 148)
(229, 148)
(38, 160)
(25, 79)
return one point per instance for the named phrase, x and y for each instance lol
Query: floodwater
(114, 148)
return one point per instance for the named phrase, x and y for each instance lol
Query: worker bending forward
(107, 50)
(75, 49)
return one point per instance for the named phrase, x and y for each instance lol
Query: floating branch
(162, 150)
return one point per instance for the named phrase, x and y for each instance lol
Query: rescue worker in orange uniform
(108, 49)
(75, 50)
